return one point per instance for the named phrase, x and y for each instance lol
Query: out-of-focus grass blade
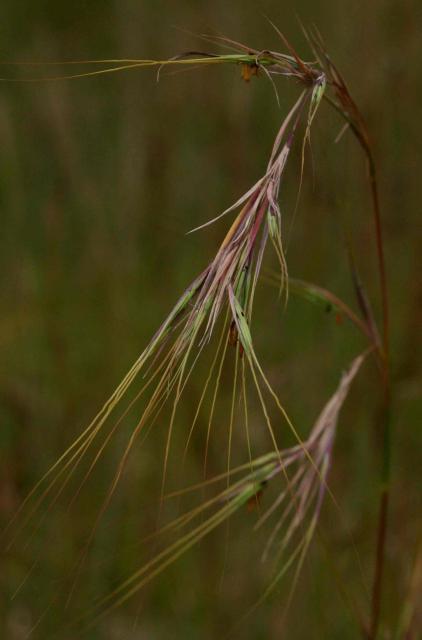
(323, 298)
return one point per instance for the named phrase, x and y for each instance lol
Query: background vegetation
(99, 181)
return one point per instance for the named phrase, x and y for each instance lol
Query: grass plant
(214, 319)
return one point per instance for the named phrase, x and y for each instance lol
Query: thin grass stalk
(349, 110)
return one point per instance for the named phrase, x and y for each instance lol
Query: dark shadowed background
(100, 179)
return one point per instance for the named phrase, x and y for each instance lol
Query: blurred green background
(100, 179)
